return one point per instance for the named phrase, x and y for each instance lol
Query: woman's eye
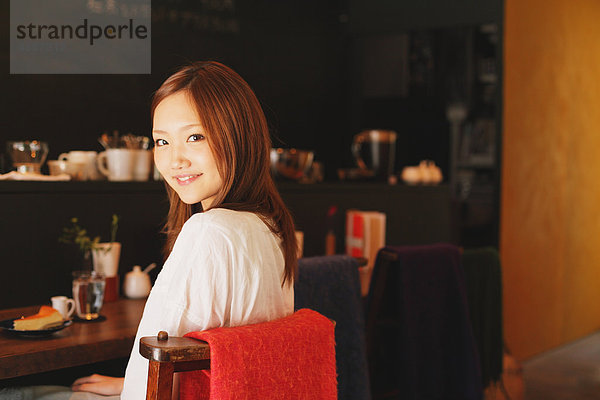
(160, 142)
(195, 138)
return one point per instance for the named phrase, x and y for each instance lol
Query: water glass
(88, 293)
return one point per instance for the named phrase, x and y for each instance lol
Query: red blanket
(288, 358)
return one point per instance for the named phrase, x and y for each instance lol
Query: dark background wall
(305, 61)
(323, 71)
(291, 53)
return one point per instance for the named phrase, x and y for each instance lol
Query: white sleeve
(190, 294)
(204, 291)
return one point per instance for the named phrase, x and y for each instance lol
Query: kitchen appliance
(291, 163)
(375, 150)
(28, 156)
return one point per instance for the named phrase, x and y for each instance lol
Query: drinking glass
(88, 293)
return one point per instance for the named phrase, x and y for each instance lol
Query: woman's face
(181, 152)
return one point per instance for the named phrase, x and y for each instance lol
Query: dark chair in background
(483, 278)
(419, 338)
(330, 285)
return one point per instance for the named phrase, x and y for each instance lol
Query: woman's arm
(99, 384)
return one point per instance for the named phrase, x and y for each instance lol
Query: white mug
(63, 305)
(75, 170)
(143, 165)
(90, 171)
(119, 164)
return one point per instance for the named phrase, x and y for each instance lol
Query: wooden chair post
(169, 355)
(160, 380)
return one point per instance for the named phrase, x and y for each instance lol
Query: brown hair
(239, 139)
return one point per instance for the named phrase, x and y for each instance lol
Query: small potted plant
(105, 255)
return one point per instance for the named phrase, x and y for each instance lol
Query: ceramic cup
(143, 165)
(88, 159)
(58, 167)
(75, 170)
(117, 164)
(63, 305)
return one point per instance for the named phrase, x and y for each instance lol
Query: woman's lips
(186, 179)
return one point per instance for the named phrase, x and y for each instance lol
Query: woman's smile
(186, 179)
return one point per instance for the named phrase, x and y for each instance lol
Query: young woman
(230, 239)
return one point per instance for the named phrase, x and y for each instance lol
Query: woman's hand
(99, 384)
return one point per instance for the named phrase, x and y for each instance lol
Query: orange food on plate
(46, 318)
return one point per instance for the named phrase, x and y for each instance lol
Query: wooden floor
(569, 372)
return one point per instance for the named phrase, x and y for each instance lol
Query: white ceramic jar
(137, 284)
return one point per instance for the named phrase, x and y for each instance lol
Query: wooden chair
(168, 355)
(318, 277)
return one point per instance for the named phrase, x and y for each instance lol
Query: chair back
(483, 279)
(291, 356)
(419, 338)
(330, 285)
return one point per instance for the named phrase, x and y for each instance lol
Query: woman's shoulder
(221, 230)
(222, 219)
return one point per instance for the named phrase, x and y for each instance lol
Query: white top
(225, 269)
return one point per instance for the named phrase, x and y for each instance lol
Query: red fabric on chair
(291, 358)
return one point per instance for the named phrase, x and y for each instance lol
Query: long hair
(239, 139)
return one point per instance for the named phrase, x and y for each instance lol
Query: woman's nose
(178, 158)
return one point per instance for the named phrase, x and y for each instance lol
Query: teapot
(137, 282)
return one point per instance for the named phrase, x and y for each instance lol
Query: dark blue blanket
(330, 285)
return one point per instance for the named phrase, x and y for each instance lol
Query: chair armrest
(173, 349)
(184, 353)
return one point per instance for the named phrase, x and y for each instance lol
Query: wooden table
(79, 344)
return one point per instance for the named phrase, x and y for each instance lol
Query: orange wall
(550, 213)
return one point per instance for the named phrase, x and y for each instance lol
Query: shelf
(379, 188)
(8, 187)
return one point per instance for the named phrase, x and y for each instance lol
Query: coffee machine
(28, 156)
(374, 151)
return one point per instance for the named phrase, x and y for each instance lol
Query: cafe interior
(438, 158)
